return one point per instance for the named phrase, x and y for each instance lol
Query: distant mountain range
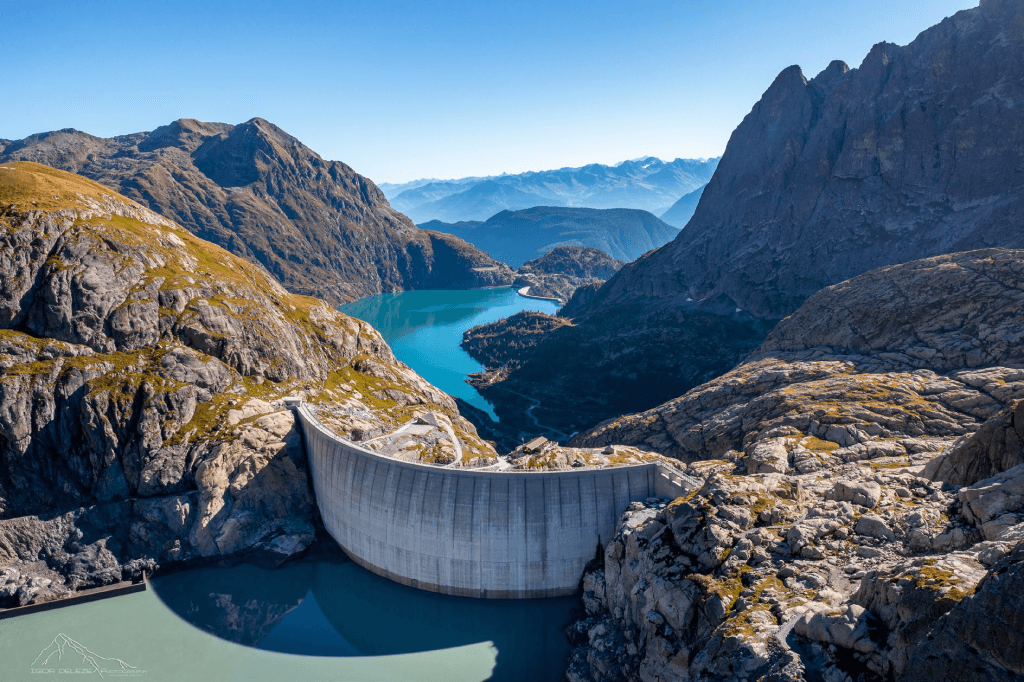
(648, 183)
(514, 237)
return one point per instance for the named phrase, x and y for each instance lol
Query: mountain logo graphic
(66, 655)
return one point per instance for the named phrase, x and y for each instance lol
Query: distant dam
(492, 534)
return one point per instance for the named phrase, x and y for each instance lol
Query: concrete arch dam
(493, 534)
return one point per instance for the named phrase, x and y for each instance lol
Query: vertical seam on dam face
(497, 534)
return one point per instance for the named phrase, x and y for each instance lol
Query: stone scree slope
(472, 533)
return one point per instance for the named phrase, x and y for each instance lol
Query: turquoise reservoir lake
(324, 618)
(424, 329)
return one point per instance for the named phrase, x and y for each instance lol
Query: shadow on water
(330, 608)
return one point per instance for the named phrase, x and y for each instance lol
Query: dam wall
(492, 534)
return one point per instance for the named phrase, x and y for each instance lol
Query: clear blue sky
(401, 90)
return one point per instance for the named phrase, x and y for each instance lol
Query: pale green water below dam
(311, 620)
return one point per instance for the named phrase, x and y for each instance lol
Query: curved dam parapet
(493, 534)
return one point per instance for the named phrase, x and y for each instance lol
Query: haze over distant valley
(514, 237)
(646, 183)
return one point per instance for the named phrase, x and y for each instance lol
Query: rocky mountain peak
(832, 73)
(789, 79)
(185, 133)
(249, 152)
(910, 155)
(72, 146)
(317, 225)
(914, 154)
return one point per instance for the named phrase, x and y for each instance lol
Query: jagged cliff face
(317, 226)
(862, 516)
(141, 377)
(914, 154)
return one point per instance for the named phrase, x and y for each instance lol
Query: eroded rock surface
(997, 446)
(141, 420)
(764, 576)
(863, 497)
(980, 637)
(914, 357)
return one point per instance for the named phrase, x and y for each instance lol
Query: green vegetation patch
(815, 444)
(33, 186)
(682, 500)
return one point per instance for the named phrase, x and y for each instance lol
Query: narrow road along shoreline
(525, 293)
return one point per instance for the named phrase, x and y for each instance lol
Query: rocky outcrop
(558, 273)
(497, 343)
(980, 637)
(771, 576)
(914, 154)
(141, 422)
(447, 262)
(583, 262)
(995, 504)
(896, 362)
(997, 446)
(317, 226)
(818, 548)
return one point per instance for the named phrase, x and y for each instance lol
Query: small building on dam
(472, 532)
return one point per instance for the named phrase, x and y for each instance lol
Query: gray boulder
(875, 527)
(768, 457)
(864, 493)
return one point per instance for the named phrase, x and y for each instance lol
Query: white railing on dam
(496, 534)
